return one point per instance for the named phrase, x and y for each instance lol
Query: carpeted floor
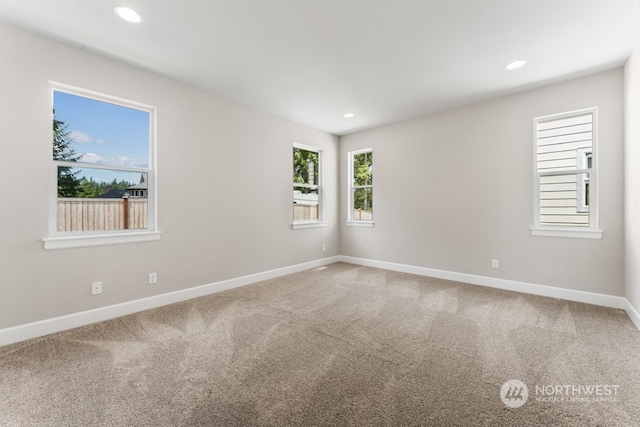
(338, 345)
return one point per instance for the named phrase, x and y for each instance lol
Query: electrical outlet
(324, 248)
(153, 278)
(96, 288)
(495, 263)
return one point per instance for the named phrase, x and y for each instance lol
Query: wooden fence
(305, 212)
(75, 214)
(360, 214)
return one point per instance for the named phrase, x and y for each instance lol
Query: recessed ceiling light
(348, 115)
(127, 14)
(516, 64)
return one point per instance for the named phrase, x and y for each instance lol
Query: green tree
(362, 181)
(68, 182)
(118, 185)
(89, 188)
(305, 168)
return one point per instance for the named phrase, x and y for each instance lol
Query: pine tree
(68, 183)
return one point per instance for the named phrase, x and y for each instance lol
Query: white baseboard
(62, 323)
(510, 285)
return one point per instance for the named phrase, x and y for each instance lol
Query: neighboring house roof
(112, 194)
(141, 186)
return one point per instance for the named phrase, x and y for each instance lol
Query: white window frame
(584, 154)
(351, 187)
(592, 231)
(320, 222)
(64, 240)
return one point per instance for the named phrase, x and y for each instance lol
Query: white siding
(560, 141)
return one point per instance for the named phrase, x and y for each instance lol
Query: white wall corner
(633, 314)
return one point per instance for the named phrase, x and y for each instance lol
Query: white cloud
(80, 137)
(83, 137)
(128, 161)
(92, 158)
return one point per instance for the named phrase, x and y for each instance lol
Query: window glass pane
(101, 200)
(564, 172)
(562, 142)
(305, 204)
(363, 203)
(305, 166)
(363, 169)
(564, 199)
(306, 200)
(92, 131)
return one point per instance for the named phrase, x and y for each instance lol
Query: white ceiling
(311, 61)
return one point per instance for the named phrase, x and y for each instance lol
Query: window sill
(308, 224)
(566, 232)
(367, 224)
(83, 241)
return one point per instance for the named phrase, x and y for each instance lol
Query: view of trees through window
(101, 155)
(71, 181)
(306, 168)
(362, 191)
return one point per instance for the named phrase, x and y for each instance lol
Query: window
(360, 191)
(307, 196)
(102, 175)
(565, 175)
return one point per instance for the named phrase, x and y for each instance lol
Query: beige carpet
(339, 345)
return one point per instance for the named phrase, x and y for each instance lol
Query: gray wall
(454, 190)
(632, 178)
(206, 145)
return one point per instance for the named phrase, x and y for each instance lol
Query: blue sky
(106, 134)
